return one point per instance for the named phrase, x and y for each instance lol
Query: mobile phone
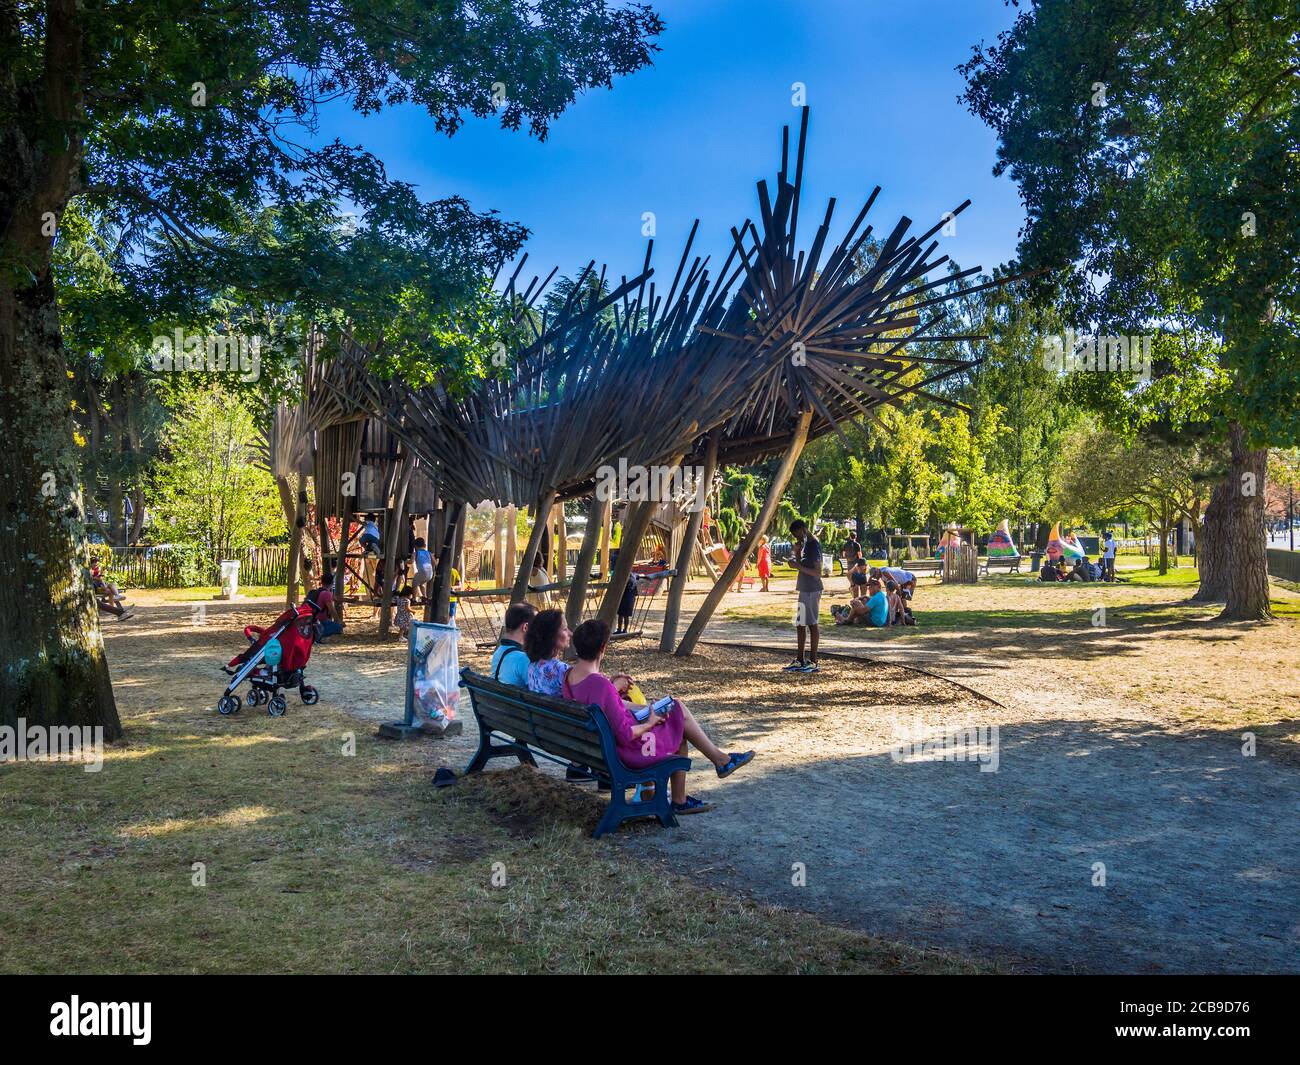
(662, 706)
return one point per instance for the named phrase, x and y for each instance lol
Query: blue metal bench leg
(487, 750)
(616, 813)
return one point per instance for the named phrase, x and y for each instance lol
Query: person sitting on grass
(510, 660)
(878, 606)
(854, 612)
(322, 596)
(659, 737)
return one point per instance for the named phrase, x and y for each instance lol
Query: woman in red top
(764, 561)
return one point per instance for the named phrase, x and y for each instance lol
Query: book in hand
(659, 707)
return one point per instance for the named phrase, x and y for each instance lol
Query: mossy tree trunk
(52, 665)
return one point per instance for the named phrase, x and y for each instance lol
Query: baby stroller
(275, 659)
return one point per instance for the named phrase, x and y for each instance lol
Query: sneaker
(811, 667)
(794, 667)
(692, 805)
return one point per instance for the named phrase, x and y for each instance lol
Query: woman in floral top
(545, 642)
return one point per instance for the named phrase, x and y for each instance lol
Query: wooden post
(433, 536)
(512, 547)
(498, 548)
(561, 545)
(606, 534)
(395, 533)
(677, 586)
(765, 514)
(440, 598)
(340, 574)
(586, 555)
(637, 520)
(540, 513)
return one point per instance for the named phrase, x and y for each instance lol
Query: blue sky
(689, 137)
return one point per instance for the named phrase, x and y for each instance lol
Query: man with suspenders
(509, 662)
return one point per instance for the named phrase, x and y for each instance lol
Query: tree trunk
(395, 532)
(540, 514)
(586, 555)
(1243, 552)
(288, 505)
(746, 545)
(1164, 537)
(1221, 550)
(677, 586)
(52, 665)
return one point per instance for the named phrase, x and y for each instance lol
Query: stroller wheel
(227, 704)
(277, 706)
(251, 698)
(309, 694)
(261, 696)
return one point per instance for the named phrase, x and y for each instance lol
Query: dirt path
(1199, 844)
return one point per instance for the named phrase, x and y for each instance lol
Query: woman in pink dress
(764, 561)
(641, 744)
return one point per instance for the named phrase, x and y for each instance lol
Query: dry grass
(320, 861)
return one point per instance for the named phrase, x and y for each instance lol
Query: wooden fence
(1283, 564)
(165, 567)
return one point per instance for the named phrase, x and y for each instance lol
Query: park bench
(520, 723)
(1011, 565)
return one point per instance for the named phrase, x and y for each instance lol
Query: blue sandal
(734, 762)
(692, 805)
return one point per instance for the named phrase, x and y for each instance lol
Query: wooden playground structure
(778, 347)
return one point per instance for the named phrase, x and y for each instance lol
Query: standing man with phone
(807, 559)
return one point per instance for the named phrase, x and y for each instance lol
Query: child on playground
(627, 605)
(370, 542)
(402, 617)
(423, 565)
(642, 744)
